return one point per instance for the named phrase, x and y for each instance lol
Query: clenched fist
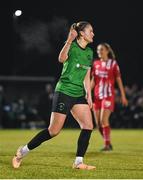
(72, 35)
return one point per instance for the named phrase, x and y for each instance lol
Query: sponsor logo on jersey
(103, 74)
(103, 64)
(82, 66)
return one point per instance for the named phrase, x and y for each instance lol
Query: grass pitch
(54, 159)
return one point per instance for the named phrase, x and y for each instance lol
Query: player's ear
(81, 33)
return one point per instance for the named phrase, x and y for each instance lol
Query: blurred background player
(70, 92)
(105, 73)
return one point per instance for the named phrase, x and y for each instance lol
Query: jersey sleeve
(116, 69)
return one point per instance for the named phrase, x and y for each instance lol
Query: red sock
(101, 130)
(106, 135)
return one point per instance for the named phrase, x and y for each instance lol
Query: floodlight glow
(18, 13)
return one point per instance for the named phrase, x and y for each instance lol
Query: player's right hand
(72, 35)
(89, 101)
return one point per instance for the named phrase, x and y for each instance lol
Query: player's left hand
(89, 101)
(124, 101)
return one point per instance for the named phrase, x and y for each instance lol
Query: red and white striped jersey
(105, 73)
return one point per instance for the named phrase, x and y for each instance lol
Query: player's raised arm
(63, 56)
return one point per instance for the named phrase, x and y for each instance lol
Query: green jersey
(74, 71)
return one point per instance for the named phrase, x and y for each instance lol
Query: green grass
(54, 158)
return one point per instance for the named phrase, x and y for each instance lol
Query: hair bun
(74, 26)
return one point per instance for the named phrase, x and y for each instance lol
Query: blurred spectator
(131, 116)
(2, 103)
(10, 118)
(45, 103)
(27, 115)
(21, 112)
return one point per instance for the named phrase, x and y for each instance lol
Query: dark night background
(29, 69)
(30, 45)
(117, 22)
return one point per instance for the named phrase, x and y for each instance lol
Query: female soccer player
(72, 93)
(105, 72)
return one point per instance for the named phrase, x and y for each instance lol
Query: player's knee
(87, 126)
(104, 122)
(53, 132)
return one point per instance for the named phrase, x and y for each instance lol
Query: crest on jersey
(89, 57)
(107, 103)
(97, 66)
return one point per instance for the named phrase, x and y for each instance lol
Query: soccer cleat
(107, 148)
(83, 166)
(17, 159)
